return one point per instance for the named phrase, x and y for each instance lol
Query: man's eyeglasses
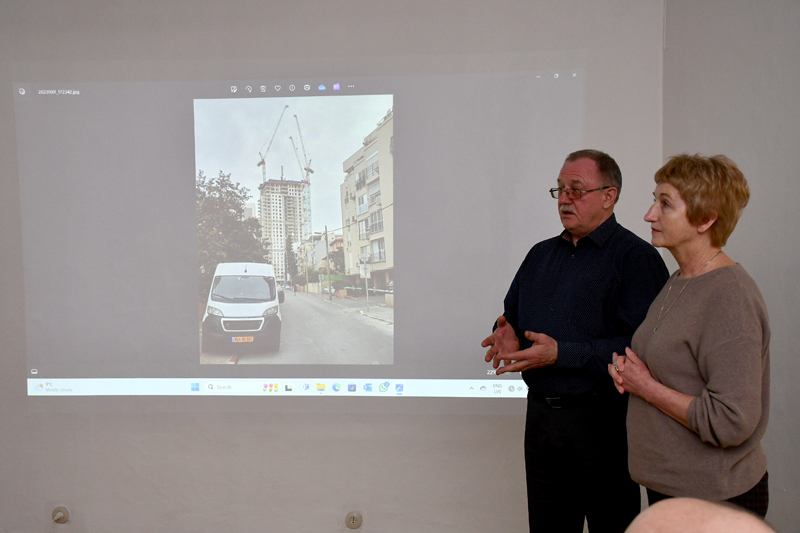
(573, 193)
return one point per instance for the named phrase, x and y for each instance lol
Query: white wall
(169, 465)
(731, 86)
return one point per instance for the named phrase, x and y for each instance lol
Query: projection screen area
(283, 236)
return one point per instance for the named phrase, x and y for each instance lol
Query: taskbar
(341, 387)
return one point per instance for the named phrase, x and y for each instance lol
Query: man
(687, 515)
(576, 299)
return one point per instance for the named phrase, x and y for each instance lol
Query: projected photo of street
(295, 259)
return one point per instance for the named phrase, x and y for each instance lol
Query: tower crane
(261, 162)
(299, 164)
(306, 171)
(307, 161)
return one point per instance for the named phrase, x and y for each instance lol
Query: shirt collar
(600, 234)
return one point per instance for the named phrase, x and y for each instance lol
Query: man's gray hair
(606, 167)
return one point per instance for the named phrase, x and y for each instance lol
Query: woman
(698, 368)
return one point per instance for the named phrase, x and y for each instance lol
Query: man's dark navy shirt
(590, 298)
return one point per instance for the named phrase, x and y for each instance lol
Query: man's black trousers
(576, 459)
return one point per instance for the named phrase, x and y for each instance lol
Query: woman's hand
(616, 369)
(630, 374)
(635, 376)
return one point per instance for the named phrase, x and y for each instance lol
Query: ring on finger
(616, 367)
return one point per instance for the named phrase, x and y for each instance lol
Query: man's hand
(544, 352)
(502, 340)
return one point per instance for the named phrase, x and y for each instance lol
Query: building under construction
(281, 209)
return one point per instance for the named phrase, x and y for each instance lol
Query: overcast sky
(230, 133)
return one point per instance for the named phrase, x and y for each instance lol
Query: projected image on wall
(295, 261)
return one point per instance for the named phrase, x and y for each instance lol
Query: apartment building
(367, 205)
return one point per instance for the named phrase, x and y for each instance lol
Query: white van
(243, 307)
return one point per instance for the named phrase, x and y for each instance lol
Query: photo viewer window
(244, 237)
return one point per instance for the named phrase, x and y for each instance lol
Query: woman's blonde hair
(709, 186)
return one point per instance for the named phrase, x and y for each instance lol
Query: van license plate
(243, 339)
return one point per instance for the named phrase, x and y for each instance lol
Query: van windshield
(243, 289)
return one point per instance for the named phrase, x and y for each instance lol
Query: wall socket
(64, 518)
(353, 520)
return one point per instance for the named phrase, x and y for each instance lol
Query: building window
(376, 221)
(362, 204)
(378, 251)
(363, 229)
(374, 192)
(371, 170)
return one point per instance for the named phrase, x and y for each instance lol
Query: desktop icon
(336, 387)
(321, 87)
(34, 371)
(398, 387)
(39, 387)
(351, 387)
(249, 89)
(307, 87)
(320, 387)
(306, 386)
(287, 388)
(234, 88)
(195, 387)
(291, 87)
(384, 386)
(368, 387)
(263, 88)
(277, 87)
(335, 86)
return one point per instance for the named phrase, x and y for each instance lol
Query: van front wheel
(275, 342)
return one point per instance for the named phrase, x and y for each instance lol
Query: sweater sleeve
(728, 410)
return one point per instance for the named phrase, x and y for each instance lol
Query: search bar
(231, 387)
